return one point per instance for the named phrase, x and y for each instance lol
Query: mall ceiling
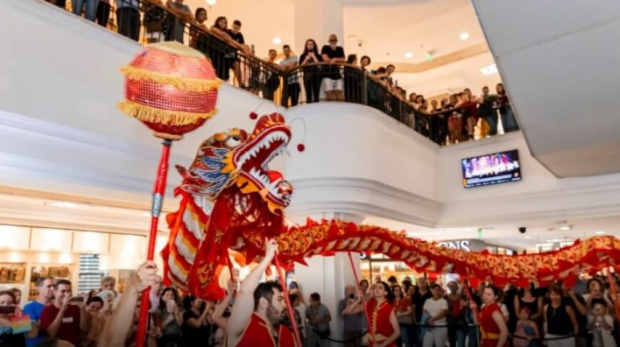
(401, 31)
(562, 76)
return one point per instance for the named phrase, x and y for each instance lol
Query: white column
(317, 19)
(329, 276)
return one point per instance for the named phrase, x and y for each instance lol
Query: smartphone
(7, 309)
(351, 296)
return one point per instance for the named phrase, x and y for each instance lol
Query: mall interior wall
(60, 85)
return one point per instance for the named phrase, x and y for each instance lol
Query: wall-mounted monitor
(489, 169)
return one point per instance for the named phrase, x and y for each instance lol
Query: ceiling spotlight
(276, 40)
(600, 232)
(489, 70)
(211, 2)
(565, 227)
(408, 55)
(64, 204)
(464, 35)
(527, 237)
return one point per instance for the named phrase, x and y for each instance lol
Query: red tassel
(301, 147)
(253, 115)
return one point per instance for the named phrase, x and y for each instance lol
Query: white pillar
(329, 276)
(317, 19)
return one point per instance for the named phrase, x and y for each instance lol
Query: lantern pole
(159, 191)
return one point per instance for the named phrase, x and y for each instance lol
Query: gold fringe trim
(154, 115)
(177, 48)
(185, 84)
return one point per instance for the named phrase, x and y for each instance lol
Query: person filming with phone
(353, 319)
(8, 312)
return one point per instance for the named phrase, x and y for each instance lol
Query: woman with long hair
(491, 320)
(509, 121)
(534, 303)
(384, 327)
(383, 322)
(312, 72)
(169, 318)
(404, 314)
(560, 320)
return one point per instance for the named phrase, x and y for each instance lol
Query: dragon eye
(233, 142)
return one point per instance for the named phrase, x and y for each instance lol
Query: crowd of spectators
(318, 73)
(423, 314)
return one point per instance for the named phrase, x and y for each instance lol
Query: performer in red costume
(491, 320)
(256, 314)
(384, 329)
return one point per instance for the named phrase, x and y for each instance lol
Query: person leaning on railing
(197, 37)
(293, 89)
(225, 56)
(128, 17)
(269, 80)
(182, 14)
(312, 72)
(352, 80)
(333, 83)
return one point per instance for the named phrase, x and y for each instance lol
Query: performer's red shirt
(257, 334)
(490, 330)
(380, 326)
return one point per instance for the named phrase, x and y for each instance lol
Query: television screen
(491, 169)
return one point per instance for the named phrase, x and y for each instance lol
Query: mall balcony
(73, 168)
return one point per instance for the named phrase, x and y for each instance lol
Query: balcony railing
(149, 21)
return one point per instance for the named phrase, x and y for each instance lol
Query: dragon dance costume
(257, 334)
(489, 329)
(380, 326)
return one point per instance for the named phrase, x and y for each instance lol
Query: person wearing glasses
(333, 84)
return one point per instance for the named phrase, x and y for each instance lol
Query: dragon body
(231, 201)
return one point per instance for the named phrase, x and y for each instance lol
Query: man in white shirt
(436, 308)
(293, 89)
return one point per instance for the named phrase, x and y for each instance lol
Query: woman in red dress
(491, 321)
(384, 328)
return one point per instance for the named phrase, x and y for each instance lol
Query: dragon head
(241, 159)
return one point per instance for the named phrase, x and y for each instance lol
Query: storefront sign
(463, 245)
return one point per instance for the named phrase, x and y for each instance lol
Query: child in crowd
(601, 324)
(526, 331)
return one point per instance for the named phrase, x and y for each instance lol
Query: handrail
(149, 21)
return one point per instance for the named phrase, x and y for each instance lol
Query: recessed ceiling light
(276, 40)
(600, 232)
(527, 237)
(566, 227)
(211, 2)
(408, 55)
(64, 204)
(464, 35)
(489, 70)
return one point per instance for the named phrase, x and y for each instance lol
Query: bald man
(333, 84)
(353, 322)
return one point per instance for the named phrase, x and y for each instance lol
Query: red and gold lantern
(171, 88)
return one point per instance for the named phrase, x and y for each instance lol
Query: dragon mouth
(253, 158)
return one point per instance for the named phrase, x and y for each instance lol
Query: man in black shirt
(419, 298)
(235, 33)
(333, 84)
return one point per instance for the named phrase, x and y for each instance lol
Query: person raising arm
(257, 312)
(117, 327)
